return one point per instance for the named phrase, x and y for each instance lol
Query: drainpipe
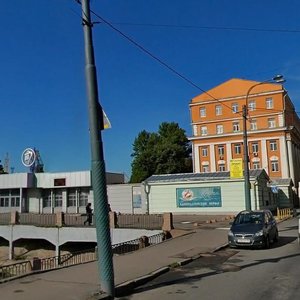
(255, 194)
(147, 192)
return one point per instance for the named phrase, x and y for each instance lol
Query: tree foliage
(165, 152)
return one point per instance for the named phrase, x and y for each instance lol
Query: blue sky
(42, 87)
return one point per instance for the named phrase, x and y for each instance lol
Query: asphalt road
(234, 274)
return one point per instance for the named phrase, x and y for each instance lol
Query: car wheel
(276, 237)
(267, 242)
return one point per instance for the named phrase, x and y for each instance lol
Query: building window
(218, 110)
(221, 150)
(71, 197)
(83, 197)
(252, 105)
(202, 112)
(254, 147)
(273, 145)
(256, 165)
(269, 103)
(195, 129)
(204, 151)
(205, 168)
(237, 149)
(274, 166)
(253, 125)
(219, 129)
(271, 123)
(15, 201)
(4, 201)
(203, 130)
(47, 198)
(235, 108)
(236, 126)
(222, 168)
(58, 199)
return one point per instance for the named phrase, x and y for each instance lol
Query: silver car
(253, 229)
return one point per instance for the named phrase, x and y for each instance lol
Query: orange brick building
(273, 129)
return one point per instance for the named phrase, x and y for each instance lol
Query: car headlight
(230, 233)
(259, 233)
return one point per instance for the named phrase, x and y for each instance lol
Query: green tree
(165, 152)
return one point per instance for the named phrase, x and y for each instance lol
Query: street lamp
(276, 79)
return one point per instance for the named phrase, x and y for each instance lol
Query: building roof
(236, 87)
(282, 181)
(199, 176)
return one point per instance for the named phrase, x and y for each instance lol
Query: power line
(173, 70)
(208, 27)
(143, 49)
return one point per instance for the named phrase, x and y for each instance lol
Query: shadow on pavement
(191, 279)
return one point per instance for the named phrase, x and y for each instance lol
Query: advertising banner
(236, 168)
(199, 197)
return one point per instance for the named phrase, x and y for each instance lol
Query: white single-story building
(65, 191)
(214, 193)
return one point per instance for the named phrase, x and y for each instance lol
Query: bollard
(167, 222)
(143, 242)
(36, 264)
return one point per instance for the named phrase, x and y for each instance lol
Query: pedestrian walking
(89, 214)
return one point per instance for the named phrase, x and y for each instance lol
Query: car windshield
(247, 218)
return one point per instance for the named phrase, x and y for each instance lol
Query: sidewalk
(80, 282)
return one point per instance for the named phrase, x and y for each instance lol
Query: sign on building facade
(199, 197)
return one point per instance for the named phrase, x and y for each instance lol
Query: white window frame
(271, 123)
(252, 105)
(237, 148)
(273, 146)
(219, 110)
(219, 129)
(204, 130)
(255, 147)
(275, 166)
(235, 107)
(221, 150)
(256, 165)
(269, 103)
(222, 168)
(236, 126)
(205, 169)
(253, 125)
(204, 151)
(202, 112)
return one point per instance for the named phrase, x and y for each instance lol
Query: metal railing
(137, 221)
(16, 269)
(140, 221)
(37, 219)
(4, 218)
(71, 259)
(284, 213)
(74, 219)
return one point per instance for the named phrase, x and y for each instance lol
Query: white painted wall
(162, 197)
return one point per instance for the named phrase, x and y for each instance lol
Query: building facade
(69, 192)
(211, 193)
(273, 129)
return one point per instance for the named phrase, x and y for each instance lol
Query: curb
(126, 287)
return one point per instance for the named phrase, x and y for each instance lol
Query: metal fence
(75, 258)
(140, 221)
(74, 219)
(37, 219)
(4, 218)
(16, 269)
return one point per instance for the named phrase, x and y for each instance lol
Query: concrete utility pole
(105, 260)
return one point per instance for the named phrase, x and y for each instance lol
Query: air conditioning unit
(221, 157)
(255, 154)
